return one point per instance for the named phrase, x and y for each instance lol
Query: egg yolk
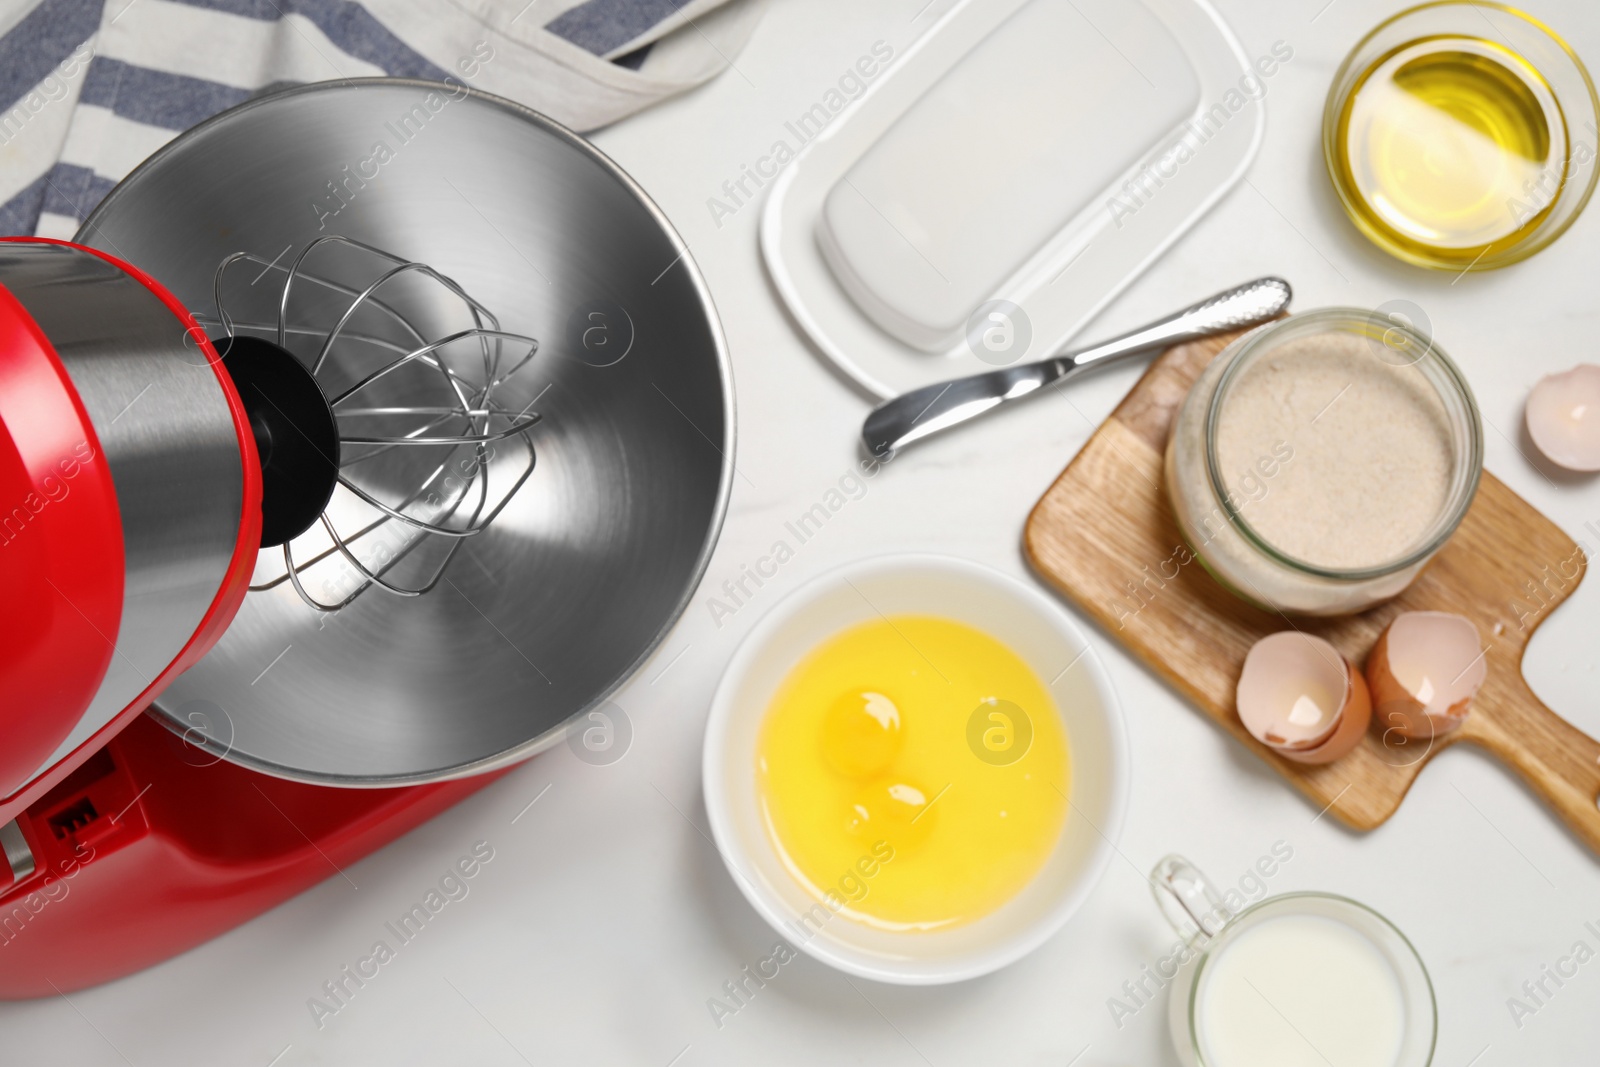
(913, 773)
(861, 734)
(893, 811)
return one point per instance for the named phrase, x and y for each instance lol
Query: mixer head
(374, 387)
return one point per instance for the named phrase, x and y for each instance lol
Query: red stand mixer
(284, 580)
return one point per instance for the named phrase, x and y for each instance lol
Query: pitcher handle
(1188, 900)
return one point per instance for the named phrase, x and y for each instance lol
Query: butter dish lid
(1022, 157)
(1013, 142)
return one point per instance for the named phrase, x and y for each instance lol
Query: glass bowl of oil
(1460, 135)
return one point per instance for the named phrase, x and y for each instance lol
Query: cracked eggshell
(1353, 720)
(1424, 672)
(1563, 417)
(1299, 696)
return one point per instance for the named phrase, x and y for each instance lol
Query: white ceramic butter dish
(1027, 151)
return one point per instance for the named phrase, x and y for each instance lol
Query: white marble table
(606, 920)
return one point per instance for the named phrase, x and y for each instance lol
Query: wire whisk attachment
(431, 404)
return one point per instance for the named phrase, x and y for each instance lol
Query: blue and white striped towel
(89, 88)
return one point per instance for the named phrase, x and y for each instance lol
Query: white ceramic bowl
(1031, 625)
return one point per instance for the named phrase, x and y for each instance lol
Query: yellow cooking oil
(912, 773)
(1449, 148)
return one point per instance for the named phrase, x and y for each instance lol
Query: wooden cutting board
(1105, 536)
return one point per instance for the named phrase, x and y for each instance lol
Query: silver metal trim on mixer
(19, 857)
(581, 581)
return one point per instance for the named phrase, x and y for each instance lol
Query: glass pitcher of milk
(1293, 980)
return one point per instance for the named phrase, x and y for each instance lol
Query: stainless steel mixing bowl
(542, 616)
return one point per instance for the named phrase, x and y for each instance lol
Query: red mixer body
(122, 844)
(152, 846)
(71, 561)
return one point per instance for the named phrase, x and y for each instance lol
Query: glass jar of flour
(1320, 461)
(1294, 980)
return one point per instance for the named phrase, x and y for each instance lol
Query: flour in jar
(1369, 451)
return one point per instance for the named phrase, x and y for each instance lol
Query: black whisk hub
(296, 436)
